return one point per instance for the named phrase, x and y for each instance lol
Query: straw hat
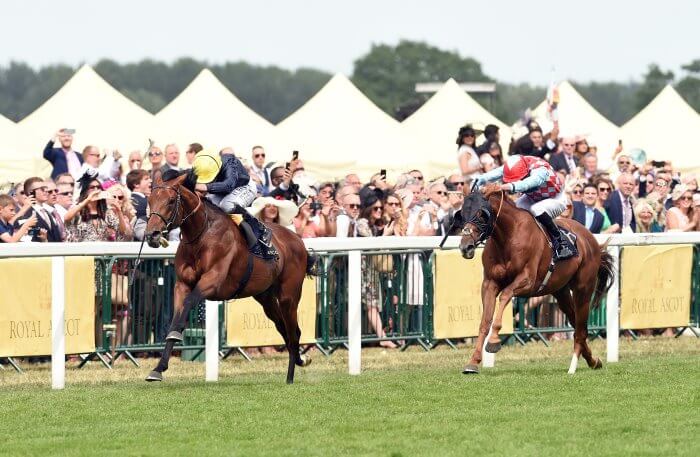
(678, 191)
(287, 209)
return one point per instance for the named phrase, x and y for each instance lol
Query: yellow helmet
(206, 166)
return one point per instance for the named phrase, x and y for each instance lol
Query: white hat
(287, 209)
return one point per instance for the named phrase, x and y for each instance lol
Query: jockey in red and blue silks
(543, 195)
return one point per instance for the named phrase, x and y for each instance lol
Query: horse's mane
(189, 182)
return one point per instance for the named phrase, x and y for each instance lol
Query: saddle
(258, 236)
(565, 233)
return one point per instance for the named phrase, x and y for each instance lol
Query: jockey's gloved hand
(480, 181)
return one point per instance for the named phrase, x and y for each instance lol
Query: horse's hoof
(174, 336)
(597, 365)
(290, 381)
(154, 376)
(471, 369)
(493, 347)
(304, 360)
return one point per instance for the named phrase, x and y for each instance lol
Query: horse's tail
(606, 275)
(312, 264)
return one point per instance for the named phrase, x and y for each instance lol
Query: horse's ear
(457, 219)
(190, 180)
(157, 177)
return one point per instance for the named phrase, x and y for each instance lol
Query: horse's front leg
(489, 291)
(184, 300)
(520, 284)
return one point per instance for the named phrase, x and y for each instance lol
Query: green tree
(616, 101)
(654, 81)
(689, 86)
(388, 74)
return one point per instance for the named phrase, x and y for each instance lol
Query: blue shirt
(6, 228)
(589, 217)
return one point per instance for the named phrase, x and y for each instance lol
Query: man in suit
(534, 143)
(585, 211)
(619, 205)
(259, 173)
(49, 229)
(565, 160)
(63, 159)
(172, 158)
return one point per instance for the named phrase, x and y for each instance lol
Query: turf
(404, 404)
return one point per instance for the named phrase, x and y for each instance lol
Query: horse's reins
(486, 228)
(170, 221)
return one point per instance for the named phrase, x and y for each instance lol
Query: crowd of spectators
(91, 196)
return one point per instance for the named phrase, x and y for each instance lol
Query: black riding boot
(251, 227)
(560, 245)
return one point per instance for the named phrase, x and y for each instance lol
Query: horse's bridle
(485, 227)
(170, 223)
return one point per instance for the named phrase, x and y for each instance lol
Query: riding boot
(250, 227)
(560, 245)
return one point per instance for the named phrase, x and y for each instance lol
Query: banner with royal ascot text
(655, 286)
(248, 326)
(25, 308)
(457, 305)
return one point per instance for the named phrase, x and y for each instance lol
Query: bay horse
(517, 259)
(212, 262)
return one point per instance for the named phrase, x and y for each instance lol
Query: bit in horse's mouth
(468, 253)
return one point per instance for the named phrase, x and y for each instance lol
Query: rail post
(58, 336)
(354, 312)
(612, 322)
(211, 342)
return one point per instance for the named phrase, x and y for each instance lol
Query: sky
(534, 42)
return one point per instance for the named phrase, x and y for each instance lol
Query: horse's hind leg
(288, 309)
(271, 307)
(582, 301)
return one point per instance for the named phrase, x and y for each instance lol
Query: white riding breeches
(242, 196)
(552, 206)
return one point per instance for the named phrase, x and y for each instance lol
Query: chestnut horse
(516, 260)
(213, 262)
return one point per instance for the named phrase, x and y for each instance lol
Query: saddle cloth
(571, 236)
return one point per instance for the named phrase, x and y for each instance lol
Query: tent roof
(434, 125)
(339, 130)
(208, 113)
(578, 117)
(101, 115)
(667, 129)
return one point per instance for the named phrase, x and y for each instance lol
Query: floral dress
(106, 229)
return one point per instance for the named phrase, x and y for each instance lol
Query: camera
(315, 206)
(658, 164)
(34, 231)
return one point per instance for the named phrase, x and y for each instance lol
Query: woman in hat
(225, 181)
(468, 160)
(680, 217)
(269, 210)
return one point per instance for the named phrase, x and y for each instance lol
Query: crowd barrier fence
(395, 277)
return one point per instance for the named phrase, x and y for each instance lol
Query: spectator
(109, 169)
(581, 148)
(325, 192)
(623, 165)
(64, 199)
(65, 179)
(394, 211)
(575, 189)
(94, 217)
(458, 182)
(467, 159)
(63, 159)
(422, 220)
(691, 182)
(57, 216)
(270, 210)
(352, 180)
(8, 234)
(120, 199)
(585, 212)
(619, 205)
(437, 193)
(155, 157)
(371, 223)
(565, 159)
(258, 173)
(139, 184)
(494, 150)
(22, 203)
(662, 187)
(172, 158)
(680, 217)
(487, 162)
(304, 223)
(491, 136)
(590, 166)
(646, 218)
(48, 227)
(346, 221)
(535, 143)
(191, 152)
(135, 160)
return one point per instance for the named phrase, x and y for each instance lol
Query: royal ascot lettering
(256, 321)
(33, 329)
(655, 286)
(461, 313)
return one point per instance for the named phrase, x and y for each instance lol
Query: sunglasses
(376, 208)
(21, 192)
(457, 183)
(603, 189)
(441, 192)
(353, 206)
(43, 189)
(65, 194)
(686, 198)
(624, 162)
(419, 178)
(134, 160)
(568, 144)
(577, 192)
(468, 135)
(393, 203)
(94, 187)
(155, 154)
(119, 197)
(259, 155)
(52, 191)
(661, 184)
